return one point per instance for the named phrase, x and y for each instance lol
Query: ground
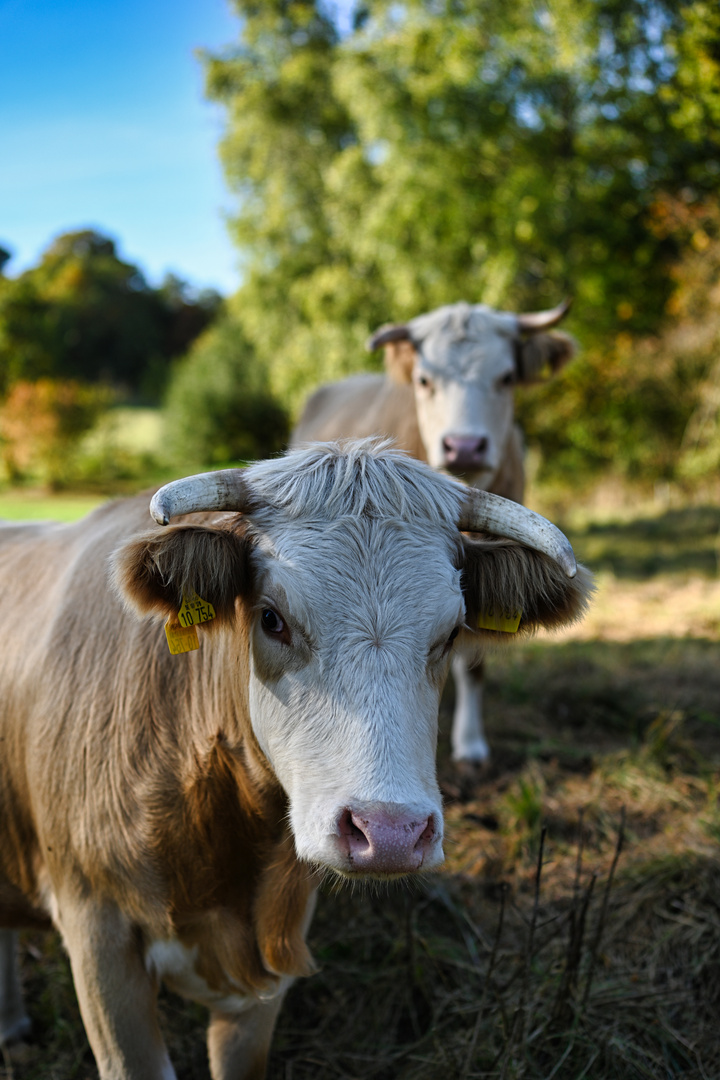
(575, 929)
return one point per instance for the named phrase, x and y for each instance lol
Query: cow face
(351, 641)
(463, 362)
(353, 583)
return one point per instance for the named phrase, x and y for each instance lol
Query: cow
(172, 813)
(447, 398)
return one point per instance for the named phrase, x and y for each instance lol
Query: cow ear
(539, 351)
(399, 361)
(502, 578)
(153, 572)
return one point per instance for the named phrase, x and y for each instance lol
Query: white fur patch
(175, 964)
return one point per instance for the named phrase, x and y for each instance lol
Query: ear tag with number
(181, 639)
(507, 622)
(195, 610)
(181, 631)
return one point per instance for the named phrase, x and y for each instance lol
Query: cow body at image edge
(170, 814)
(447, 398)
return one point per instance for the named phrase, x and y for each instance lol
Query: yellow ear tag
(180, 639)
(505, 621)
(194, 610)
(181, 632)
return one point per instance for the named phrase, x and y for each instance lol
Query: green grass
(17, 505)
(678, 541)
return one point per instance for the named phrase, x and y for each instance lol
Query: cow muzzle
(462, 453)
(386, 840)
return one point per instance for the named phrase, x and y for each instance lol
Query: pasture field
(575, 930)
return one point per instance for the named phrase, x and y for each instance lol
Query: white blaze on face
(347, 670)
(463, 378)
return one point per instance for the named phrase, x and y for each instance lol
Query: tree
(461, 149)
(85, 314)
(219, 408)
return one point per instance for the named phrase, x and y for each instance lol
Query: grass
(20, 505)
(542, 950)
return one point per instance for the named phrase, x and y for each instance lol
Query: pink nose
(465, 451)
(386, 840)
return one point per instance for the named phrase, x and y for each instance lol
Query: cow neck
(238, 891)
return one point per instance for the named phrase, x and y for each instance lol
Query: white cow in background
(448, 399)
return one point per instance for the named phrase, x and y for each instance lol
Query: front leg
(468, 738)
(239, 1043)
(117, 995)
(14, 1024)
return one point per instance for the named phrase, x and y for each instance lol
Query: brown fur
(500, 575)
(538, 351)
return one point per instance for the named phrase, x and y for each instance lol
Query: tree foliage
(468, 149)
(219, 408)
(85, 314)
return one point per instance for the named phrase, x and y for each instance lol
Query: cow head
(353, 580)
(464, 362)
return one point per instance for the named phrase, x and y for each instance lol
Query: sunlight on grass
(38, 506)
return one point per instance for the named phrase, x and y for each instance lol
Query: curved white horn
(543, 320)
(222, 490)
(483, 512)
(386, 334)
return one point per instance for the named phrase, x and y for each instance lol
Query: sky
(103, 125)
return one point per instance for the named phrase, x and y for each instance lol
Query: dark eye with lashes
(271, 622)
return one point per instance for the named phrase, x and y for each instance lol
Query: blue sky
(103, 124)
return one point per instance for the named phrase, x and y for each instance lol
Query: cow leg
(239, 1043)
(14, 1024)
(468, 737)
(117, 996)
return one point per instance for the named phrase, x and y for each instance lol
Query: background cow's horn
(386, 334)
(222, 490)
(543, 320)
(483, 512)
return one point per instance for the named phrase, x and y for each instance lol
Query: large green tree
(84, 313)
(447, 149)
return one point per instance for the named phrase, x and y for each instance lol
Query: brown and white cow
(447, 398)
(170, 814)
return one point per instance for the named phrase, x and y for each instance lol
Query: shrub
(41, 424)
(219, 407)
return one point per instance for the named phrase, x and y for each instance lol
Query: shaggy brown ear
(501, 577)
(399, 361)
(538, 351)
(152, 572)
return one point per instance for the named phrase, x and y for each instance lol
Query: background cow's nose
(465, 451)
(386, 840)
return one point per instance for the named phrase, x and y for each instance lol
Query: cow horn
(386, 334)
(543, 320)
(483, 512)
(225, 489)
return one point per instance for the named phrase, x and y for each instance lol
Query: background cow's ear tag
(194, 610)
(507, 622)
(180, 639)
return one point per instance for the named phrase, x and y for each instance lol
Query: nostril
(482, 445)
(348, 826)
(427, 836)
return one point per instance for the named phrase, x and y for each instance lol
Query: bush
(219, 408)
(41, 425)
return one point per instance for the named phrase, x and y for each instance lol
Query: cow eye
(424, 382)
(508, 380)
(271, 622)
(448, 644)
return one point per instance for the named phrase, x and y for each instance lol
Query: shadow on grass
(677, 541)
